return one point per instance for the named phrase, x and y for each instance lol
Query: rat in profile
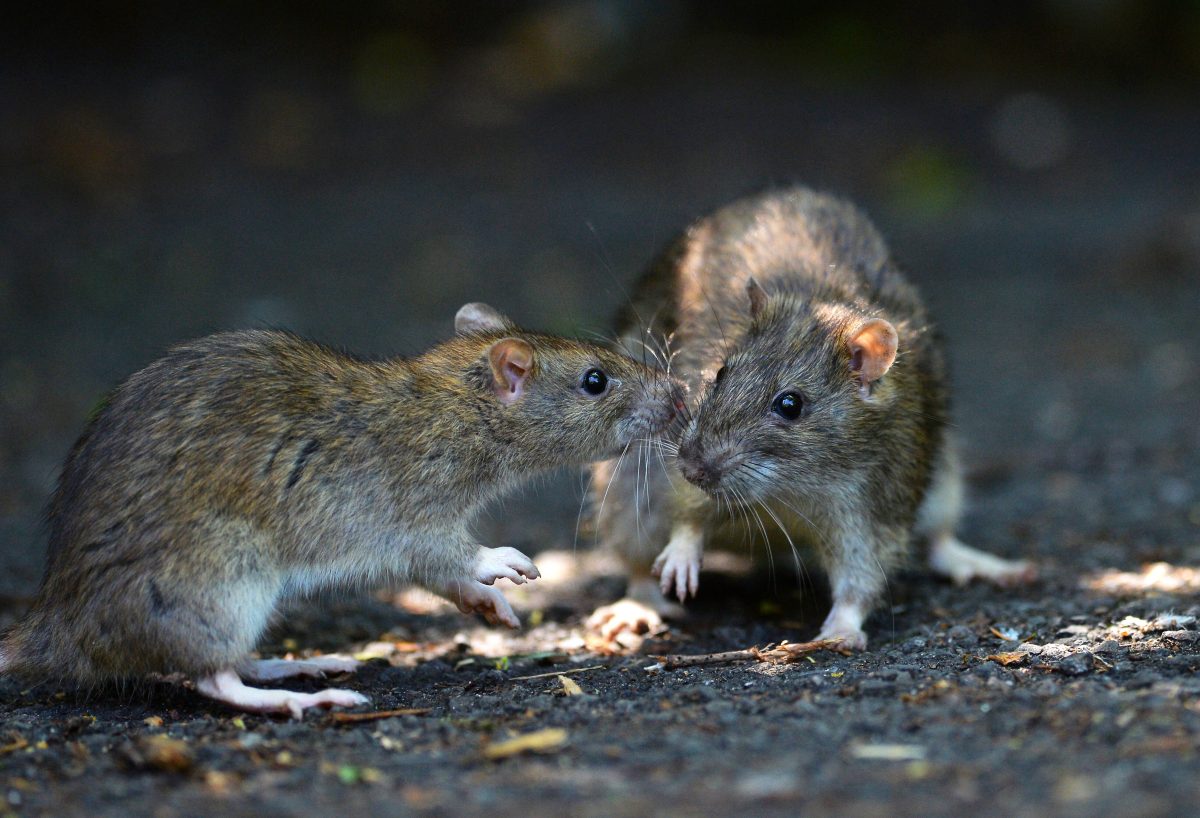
(818, 407)
(249, 467)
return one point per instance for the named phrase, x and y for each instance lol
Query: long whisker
(585, 486)
(795, 552)
(611, 478)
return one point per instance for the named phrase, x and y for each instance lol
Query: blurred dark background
(356, 171)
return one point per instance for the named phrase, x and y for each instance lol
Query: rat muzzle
(700, 468)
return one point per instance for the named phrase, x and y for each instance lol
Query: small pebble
(1076, 664)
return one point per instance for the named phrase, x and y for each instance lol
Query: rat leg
(497, 563)
(855, 565)
(937, 519)
(950, 557)
(472, 596)
(268, 670)
(226, 686)
(678, 566)
(845, 623)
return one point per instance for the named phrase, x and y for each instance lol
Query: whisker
(585, 486)
(611, 478)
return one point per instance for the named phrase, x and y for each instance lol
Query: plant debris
(783, 653)
(1008, 658)
(558, 673)
(157, 752)
(338, 717)
(540, 741)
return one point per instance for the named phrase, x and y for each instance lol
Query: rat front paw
(474, 597)
(504, 563)
(678, 569)
(845, 624)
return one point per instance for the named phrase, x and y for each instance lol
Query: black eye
(594, 382)
(720, 375)
(788, 405)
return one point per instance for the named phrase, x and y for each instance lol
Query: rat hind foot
(226, 686)
(961, 563)
(641, 611)
(268, 670)
(845, 623)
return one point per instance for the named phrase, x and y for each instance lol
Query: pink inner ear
(515, 375)
(873, 350)
(511, 359)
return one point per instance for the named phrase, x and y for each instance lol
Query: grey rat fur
(248, 467)
(793, 292)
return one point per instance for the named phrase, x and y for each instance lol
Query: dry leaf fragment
(1008, 658)
(539, 741)
(570, 686)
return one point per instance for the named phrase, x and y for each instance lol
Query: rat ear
(758, 297)
(479, 317)
(872, 350)
(512, 360)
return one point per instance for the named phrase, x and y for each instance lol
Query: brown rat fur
(793, 296)
(247, 467)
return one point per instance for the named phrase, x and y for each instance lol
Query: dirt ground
(141, 208)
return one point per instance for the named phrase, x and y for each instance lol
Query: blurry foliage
(390, 50)
(927, 181)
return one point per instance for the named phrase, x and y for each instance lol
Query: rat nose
(696, 473)
(697, 469)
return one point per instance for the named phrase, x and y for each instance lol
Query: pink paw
(624, 616)
(678, 570)
(504, 563)
(474, 597)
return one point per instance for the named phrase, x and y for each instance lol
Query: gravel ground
(143, 208)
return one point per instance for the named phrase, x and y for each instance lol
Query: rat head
(566, 401)
(798, 404)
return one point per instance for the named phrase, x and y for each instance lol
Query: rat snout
(701, 474)
(698, 469)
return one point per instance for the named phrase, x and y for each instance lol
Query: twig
(557, 673)
(691, 660)
(350, 718)
(782, 653)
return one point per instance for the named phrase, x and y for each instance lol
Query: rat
(250, 467)
(818, 407)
